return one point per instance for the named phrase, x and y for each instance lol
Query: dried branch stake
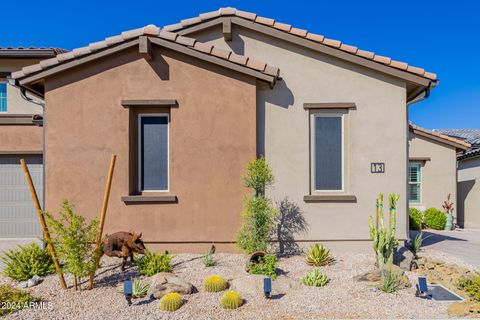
(46, 234)
(98, 245)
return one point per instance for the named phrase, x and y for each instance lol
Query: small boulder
(165, 282)
(403, 258)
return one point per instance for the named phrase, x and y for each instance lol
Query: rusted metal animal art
(122, 245)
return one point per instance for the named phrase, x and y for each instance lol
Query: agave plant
(315, 279)
(318, 256)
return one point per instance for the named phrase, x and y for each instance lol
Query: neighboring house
(468, 177)
(432, 173)
(20, 138)
(185, 116)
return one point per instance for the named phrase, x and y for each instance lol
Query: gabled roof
(288, 29)
(471, 136)
(29, 52)
(457, 143)
(153, 34)
(469, 154)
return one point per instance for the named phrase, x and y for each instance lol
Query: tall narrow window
(328, 152)
(153, 152)
(3, 97)
(414, 182)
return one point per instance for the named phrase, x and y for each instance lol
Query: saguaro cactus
(384, 240)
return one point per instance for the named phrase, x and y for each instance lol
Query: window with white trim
(328, 152)
(414, 182)
(153, 152)
(3, 97)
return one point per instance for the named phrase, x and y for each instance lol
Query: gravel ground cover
(341, 298)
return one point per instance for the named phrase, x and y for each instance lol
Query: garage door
(18, 218)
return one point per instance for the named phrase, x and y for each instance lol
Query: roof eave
(27, 53)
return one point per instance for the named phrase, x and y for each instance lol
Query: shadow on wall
(290, 223)
(463, 190)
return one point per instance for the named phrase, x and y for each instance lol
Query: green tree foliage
(259, 215)
(416, 218)
(24, 262)
(73, 240)
(435, 219)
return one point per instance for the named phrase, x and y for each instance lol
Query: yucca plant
(389, 282)
(231, 300)
(171, 302)
(139, 288)
(315, 279)
(318, 255)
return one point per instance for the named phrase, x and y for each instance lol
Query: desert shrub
(415, 217)
(416, 244)
(73, 240)
(208, 260)
(139, 288)
(315, 279)
(259, 215)
(471, 285)
(12, 299)
(171, 302)
(153, 263)
(215, 284)
(318, 255)
(24, 262)
(389, 282)
(266, 265)
(231, 300)
(434, 219)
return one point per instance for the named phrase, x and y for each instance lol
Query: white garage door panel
(18, 218)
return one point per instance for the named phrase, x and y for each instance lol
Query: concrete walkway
(463, 243)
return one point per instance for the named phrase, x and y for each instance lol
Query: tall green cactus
(384, 240)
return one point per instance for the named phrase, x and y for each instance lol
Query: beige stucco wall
(15, 103)
(375, 132)
(439, 174)
(469, 192)
(212, 138)
(20, 138)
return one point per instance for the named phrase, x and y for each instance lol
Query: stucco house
(185, 107)
(432, 173)
(20, 137)
(468, 177)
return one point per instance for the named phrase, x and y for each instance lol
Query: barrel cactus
(231, 300)
(171, 302)
(215, 284)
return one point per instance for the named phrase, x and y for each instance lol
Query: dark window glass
(154, 153)
(328, 153)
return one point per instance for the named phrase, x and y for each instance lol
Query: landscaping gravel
(343, 297)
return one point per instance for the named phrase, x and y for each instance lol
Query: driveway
(463, 243)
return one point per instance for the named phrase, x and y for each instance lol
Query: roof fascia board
(213, 59)
(438, 139)
(26, 53)
(94, 56)
(313, 46)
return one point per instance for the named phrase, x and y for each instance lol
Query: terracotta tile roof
(462, 144)
(152, 31)
(303, 34)
(21, 48)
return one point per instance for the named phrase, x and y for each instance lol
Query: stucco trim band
(16, 119)
(420, 159)
(330, 197)
(149, 199)
(329, 105)
(150, 103)
(21, 152)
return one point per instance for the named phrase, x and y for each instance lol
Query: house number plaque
(377, 167)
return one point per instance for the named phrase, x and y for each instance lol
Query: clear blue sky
(440, 36)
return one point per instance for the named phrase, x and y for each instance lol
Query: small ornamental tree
(73, 240)
(258, 214)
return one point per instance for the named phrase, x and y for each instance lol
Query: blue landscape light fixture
(127, 291)
(267, 287)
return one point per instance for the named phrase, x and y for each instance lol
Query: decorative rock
(375, 276)
(32, 282)
(165, 282)
(403, 258)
